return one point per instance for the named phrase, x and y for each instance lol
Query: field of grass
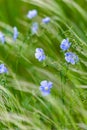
(22, 105)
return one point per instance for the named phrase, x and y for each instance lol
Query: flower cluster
(33, 13)
(39, 52)
(70, 57)
(40, 55)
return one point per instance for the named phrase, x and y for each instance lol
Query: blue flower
(32, 13)
(2, 38)
(39, 54)
(45, 87)
(65, 45)
(71, 58)
(34, 28)
(3, 69)
(46, 20)
(15, 35)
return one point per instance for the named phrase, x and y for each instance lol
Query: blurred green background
(22, 107)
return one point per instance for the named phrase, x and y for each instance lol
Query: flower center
(46, 88)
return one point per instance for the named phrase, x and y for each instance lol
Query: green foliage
(22, 107)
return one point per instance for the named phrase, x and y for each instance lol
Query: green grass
(22, 107)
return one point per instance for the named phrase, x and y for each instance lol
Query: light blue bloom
(32, 13)
(65, 45)
(2, 38)
(15, 35)
(3, 69)
(39, 54)
(45, 87)
(34, 28)
(46, 20)
(71, 58)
